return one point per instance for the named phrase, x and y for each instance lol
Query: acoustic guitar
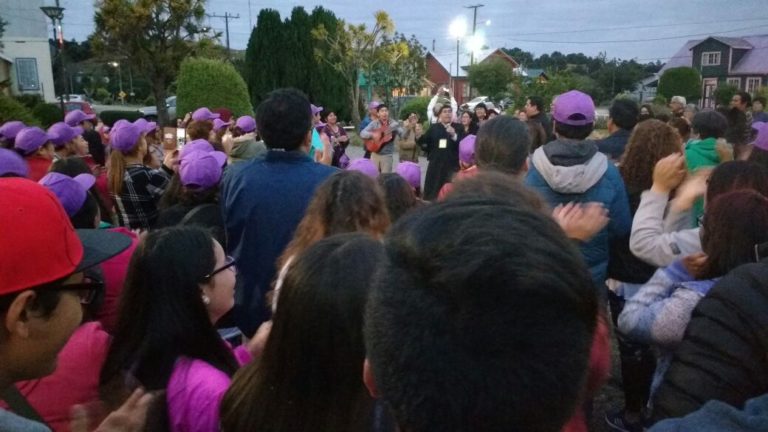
(380, 136)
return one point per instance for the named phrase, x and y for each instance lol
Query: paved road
(99, 108)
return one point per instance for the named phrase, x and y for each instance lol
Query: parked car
(82, 105)
(150, 112)
(474, 102)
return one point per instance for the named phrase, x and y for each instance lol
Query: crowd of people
(258, 278)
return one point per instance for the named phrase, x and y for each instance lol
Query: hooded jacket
(564, 171)
(246, 147)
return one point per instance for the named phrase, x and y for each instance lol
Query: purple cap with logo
(574, 108)
(125, 136)
(219, 124)
(246, 123)
(761, 140)
(146, 126)
(202, 169)
(74, 118)
(374, 105)
(30, 139)
(411, 172)
(62, 133)
(316, 109)
(467, 150)
(204, 114)
(70, 191)
(10, 129)
(195, 145)
(365, 166)
(12, 163)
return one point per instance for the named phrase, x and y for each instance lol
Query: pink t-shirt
(194, 393)
(115, 270)
(75, 380)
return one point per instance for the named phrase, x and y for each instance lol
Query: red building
(441, 71)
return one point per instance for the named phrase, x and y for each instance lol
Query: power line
(638, 40)
(227, 16)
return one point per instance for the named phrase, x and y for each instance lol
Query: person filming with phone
(441, 99)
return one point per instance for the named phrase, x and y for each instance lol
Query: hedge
(416, 105)
(682, 81)
(110, 117)
(11, 109)
(212, 84)
(48, 114)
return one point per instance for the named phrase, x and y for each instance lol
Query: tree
(682, 81)
(491, 77)
(724, 94)
(326, 84)
(3, 23)
(153, 35)
(264, 56)
(206, 82)
(353, 50)
(299, 65)
(403, 68)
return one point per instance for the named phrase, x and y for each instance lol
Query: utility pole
(474, 27)
(433, 45)
(227, 16)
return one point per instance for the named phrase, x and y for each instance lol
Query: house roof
(448, 62)
(4, 58)
(755, 60)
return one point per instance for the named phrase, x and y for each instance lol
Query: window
(736, 82)
(753, 83)
(26, 73)
(711, 58)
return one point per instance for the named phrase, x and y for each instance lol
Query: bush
(724, 93)
(102, 95)
(110, 117)
(48, 114)
(30, 100)
(212, 84)
(682, 81)
(659, 100)
(11, 109)
(417, 105)
(150, 100)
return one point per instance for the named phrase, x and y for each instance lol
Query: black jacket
(724, 353)
(614, 144)
(545, 123)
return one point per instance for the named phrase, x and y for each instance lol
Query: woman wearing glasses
(180, 283)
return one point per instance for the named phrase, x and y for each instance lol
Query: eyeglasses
(229, 263)
(86, 291)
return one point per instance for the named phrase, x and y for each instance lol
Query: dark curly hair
(650, 141)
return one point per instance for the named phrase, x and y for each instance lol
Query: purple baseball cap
(30, 139)
(246, 123)
(62, 133)
(120, 123)
(316, 109)
(574, 108)
(218, 124)
(204, 114)
(125, 137)
(12, 163)
(467, 149)
(146, 126)
(195, 145)
(10, 129)
(411, 172)
(76, 117)
(202, 169)
(71, 191)
(365, 166)
(761, 141)
(374, 105)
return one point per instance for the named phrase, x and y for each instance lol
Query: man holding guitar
(379, 137)
(441, 142)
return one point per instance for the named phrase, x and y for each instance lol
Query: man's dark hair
(465, 330)
(503, 144)
(573, 132)
(760, 99)
(443, 108)
(480, 105)
(378, 108)
(538, 102)
(709, 124)
(284, 119)
(746, 98)
(624, 113)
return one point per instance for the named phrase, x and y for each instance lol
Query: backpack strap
(19, 404)
(190, 214)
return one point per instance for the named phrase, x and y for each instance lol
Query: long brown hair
(651, 141)
(199, 129)
(347, 201)
(116, 168)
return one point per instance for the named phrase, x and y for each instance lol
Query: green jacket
(700, 154)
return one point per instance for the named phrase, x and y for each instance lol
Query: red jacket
(38, 167)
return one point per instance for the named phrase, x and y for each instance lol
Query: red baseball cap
(39, 244)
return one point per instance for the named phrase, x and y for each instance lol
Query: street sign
(122, 95)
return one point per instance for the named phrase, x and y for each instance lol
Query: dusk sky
(622, 28)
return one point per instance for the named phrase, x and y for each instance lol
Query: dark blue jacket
(614, 144)
(263, 201)
(563, 171)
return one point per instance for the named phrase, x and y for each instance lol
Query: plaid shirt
(137, 204)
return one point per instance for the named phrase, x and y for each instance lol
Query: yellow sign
(122, 95)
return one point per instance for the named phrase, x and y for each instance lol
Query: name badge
(443, 143)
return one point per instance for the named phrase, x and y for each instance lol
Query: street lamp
(116, 65)
(57, 13)
(458, 29)
(476, 43)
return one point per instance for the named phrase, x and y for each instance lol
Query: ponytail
(116, 171)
